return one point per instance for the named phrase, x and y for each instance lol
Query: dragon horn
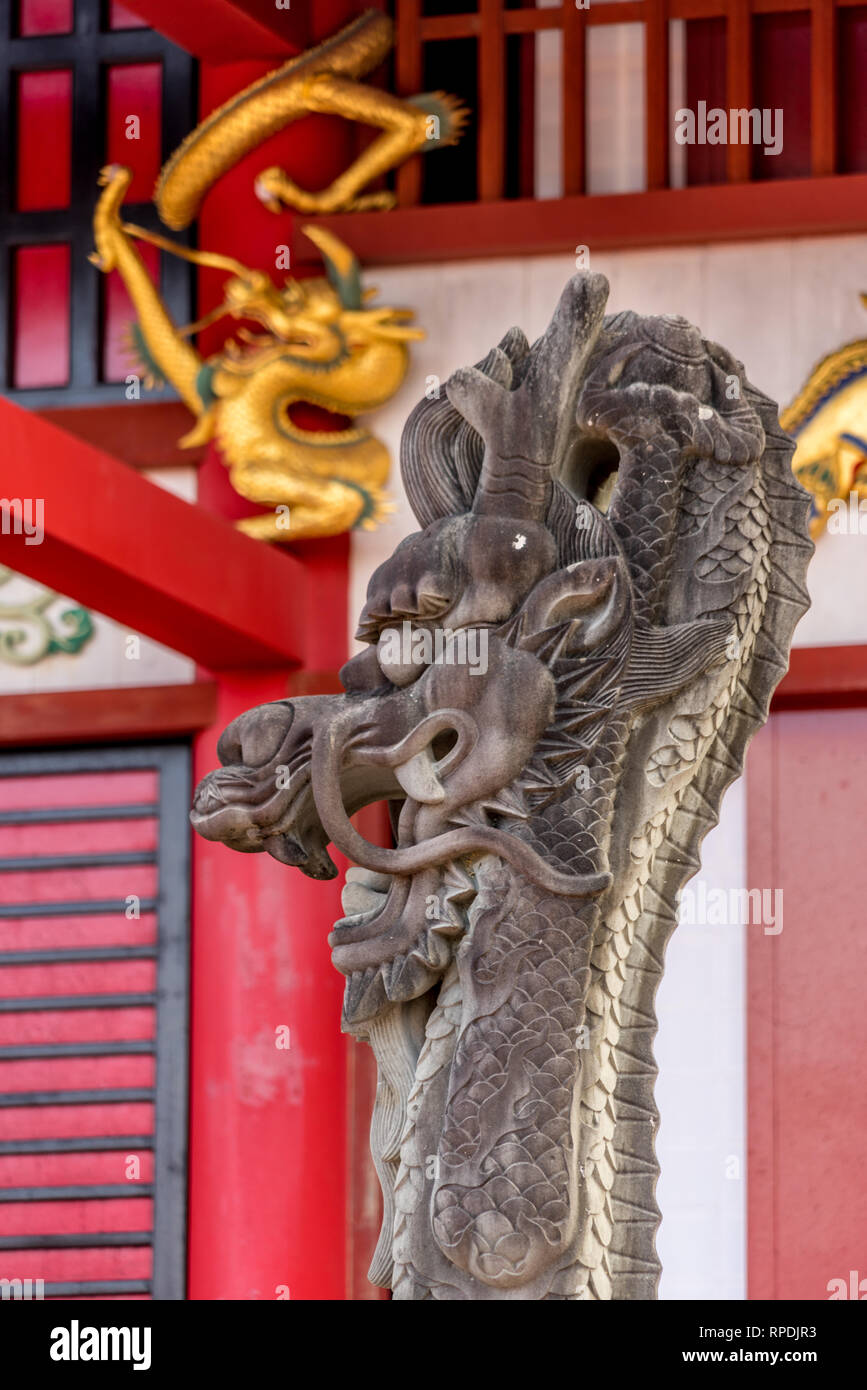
(527, 428)
(341, 265)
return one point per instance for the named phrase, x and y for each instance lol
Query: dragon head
(561, 671)
(324, 321)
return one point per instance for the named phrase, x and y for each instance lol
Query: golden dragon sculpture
(323, 81)
(828, 421)
(322, 344)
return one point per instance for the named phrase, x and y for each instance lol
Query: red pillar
(267, 1125)
(271, 1193)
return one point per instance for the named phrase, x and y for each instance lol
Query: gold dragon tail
(322, 80)
(261, 110)
(168, 355)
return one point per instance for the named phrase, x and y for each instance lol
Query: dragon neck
(514, 1082)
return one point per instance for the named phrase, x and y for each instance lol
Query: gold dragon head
(322, 320)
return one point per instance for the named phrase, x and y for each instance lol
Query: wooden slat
(492, 101)
(468, 26)
(739, 81)
(823, 88)
(525, 105)
(530, 21)
(408, 76)
(716, 9)
(574, 82)
(656, 114)
(625, 12)
(696, 9)
(433, 28)
(453, 26)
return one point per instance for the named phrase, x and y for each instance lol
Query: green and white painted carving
(36, 622)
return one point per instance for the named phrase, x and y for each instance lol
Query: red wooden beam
(136, 553)
(823, 678)
(147, 438)
(91, 716)
(665, 217)
(226, 31)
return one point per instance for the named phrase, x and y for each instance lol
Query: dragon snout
(221, 809)
(254, 737)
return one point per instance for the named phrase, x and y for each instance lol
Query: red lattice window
(805, 58)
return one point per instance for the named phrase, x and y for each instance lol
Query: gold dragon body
(828, 421)
(321, 345)
(321, 81)
(321, 342)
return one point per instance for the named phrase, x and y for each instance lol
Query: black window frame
(87, 51)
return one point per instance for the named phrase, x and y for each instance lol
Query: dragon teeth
(356, 899)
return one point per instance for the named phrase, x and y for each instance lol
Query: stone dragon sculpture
(321, 345)
(611, 513)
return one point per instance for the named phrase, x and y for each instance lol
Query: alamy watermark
(856, 1288)
(23, 517)
(848, 518)
(731, 907)
(441, 646)
(22, 1290)
(740, 126)
(77, 1343)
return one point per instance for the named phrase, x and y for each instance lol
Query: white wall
(107, 659)
(701, 1091)
(779, 306)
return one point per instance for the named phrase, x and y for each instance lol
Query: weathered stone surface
(565, 666)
